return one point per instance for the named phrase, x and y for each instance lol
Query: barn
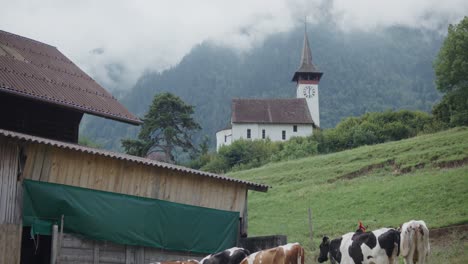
(65, 203)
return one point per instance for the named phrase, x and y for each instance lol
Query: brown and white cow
(414, 245)
(291, 253)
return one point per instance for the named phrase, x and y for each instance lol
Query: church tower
(307, 78)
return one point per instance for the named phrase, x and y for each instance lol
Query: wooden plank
(157, 178)
(55, 166)
(3, 183)
(119, 176)
(3, 242)
(128, 179)
(129, 255)
(96, 253)
(18, 214)
(98, 175)
(87, 170)
(30, 157)
(112, 257)
(140, 255)
(10, 241)
(92, 173)
(47, 165)
(113, 168)
(75, 168)
(38, 162)
(71, 165)
(63, 167)
(70, 241)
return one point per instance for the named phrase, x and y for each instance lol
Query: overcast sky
(153, 35)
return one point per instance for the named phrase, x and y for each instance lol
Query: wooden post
(53, 250)
(311, 230)
(59, 248)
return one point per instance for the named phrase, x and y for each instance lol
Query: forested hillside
(363, 71)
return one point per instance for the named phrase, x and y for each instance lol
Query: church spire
(307, 70)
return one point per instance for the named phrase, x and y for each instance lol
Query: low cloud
(115, 41)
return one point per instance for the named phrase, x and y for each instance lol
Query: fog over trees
(364, 71)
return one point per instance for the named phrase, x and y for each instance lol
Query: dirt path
(441, 233)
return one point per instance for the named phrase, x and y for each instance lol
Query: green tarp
(129, 220)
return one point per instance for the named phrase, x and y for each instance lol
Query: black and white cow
(381, 246)
(229, 256)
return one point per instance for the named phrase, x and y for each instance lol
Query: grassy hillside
(382, 185)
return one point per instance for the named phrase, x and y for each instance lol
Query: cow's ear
(325, 239)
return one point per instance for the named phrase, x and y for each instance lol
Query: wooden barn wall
(79, 250)
(56, 165)
(10, 203)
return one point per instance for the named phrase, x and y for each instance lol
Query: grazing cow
(229, 256)
(291, 253)
(380, 246)
(190, 261)
(414, 245)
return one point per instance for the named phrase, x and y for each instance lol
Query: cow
(291, 253)
(229, 256)
(414, 245)
(381, 246)
(190, 261)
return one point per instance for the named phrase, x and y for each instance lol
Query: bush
(369, 129)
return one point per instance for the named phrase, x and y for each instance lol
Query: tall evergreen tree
(167, 127)
(451, 68)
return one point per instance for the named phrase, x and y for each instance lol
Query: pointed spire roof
(306, 66)
(306, 58)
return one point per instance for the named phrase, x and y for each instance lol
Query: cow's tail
(300, 256)
(425, 233)
(406, 239)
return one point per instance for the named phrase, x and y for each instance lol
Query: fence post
(311, 230)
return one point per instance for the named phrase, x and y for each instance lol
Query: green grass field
(425, 177)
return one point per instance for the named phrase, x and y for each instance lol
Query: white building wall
(223, 137)
(272, 131)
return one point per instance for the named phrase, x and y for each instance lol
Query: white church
(278, 119)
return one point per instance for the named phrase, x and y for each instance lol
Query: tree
(451, 68)
(167, 127)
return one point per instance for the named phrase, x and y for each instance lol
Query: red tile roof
(120, 156)
(274, 111)
(36, 70)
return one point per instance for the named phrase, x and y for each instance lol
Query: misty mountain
(363, 72)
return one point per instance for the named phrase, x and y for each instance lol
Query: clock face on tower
(309, 91)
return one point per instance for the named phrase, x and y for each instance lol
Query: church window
(248, 133)
(283, 136)
(294, 128)
(225, 138)
(263, 133)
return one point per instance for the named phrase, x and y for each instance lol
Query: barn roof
(125, 157)
(274, 111)
(38, 71)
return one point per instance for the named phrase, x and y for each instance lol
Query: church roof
(306, 66)
(38, 71)
(271, 111)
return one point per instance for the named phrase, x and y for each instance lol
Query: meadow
(384, 185)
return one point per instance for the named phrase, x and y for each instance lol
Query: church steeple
(307, 70)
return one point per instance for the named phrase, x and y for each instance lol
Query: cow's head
(324, 249)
